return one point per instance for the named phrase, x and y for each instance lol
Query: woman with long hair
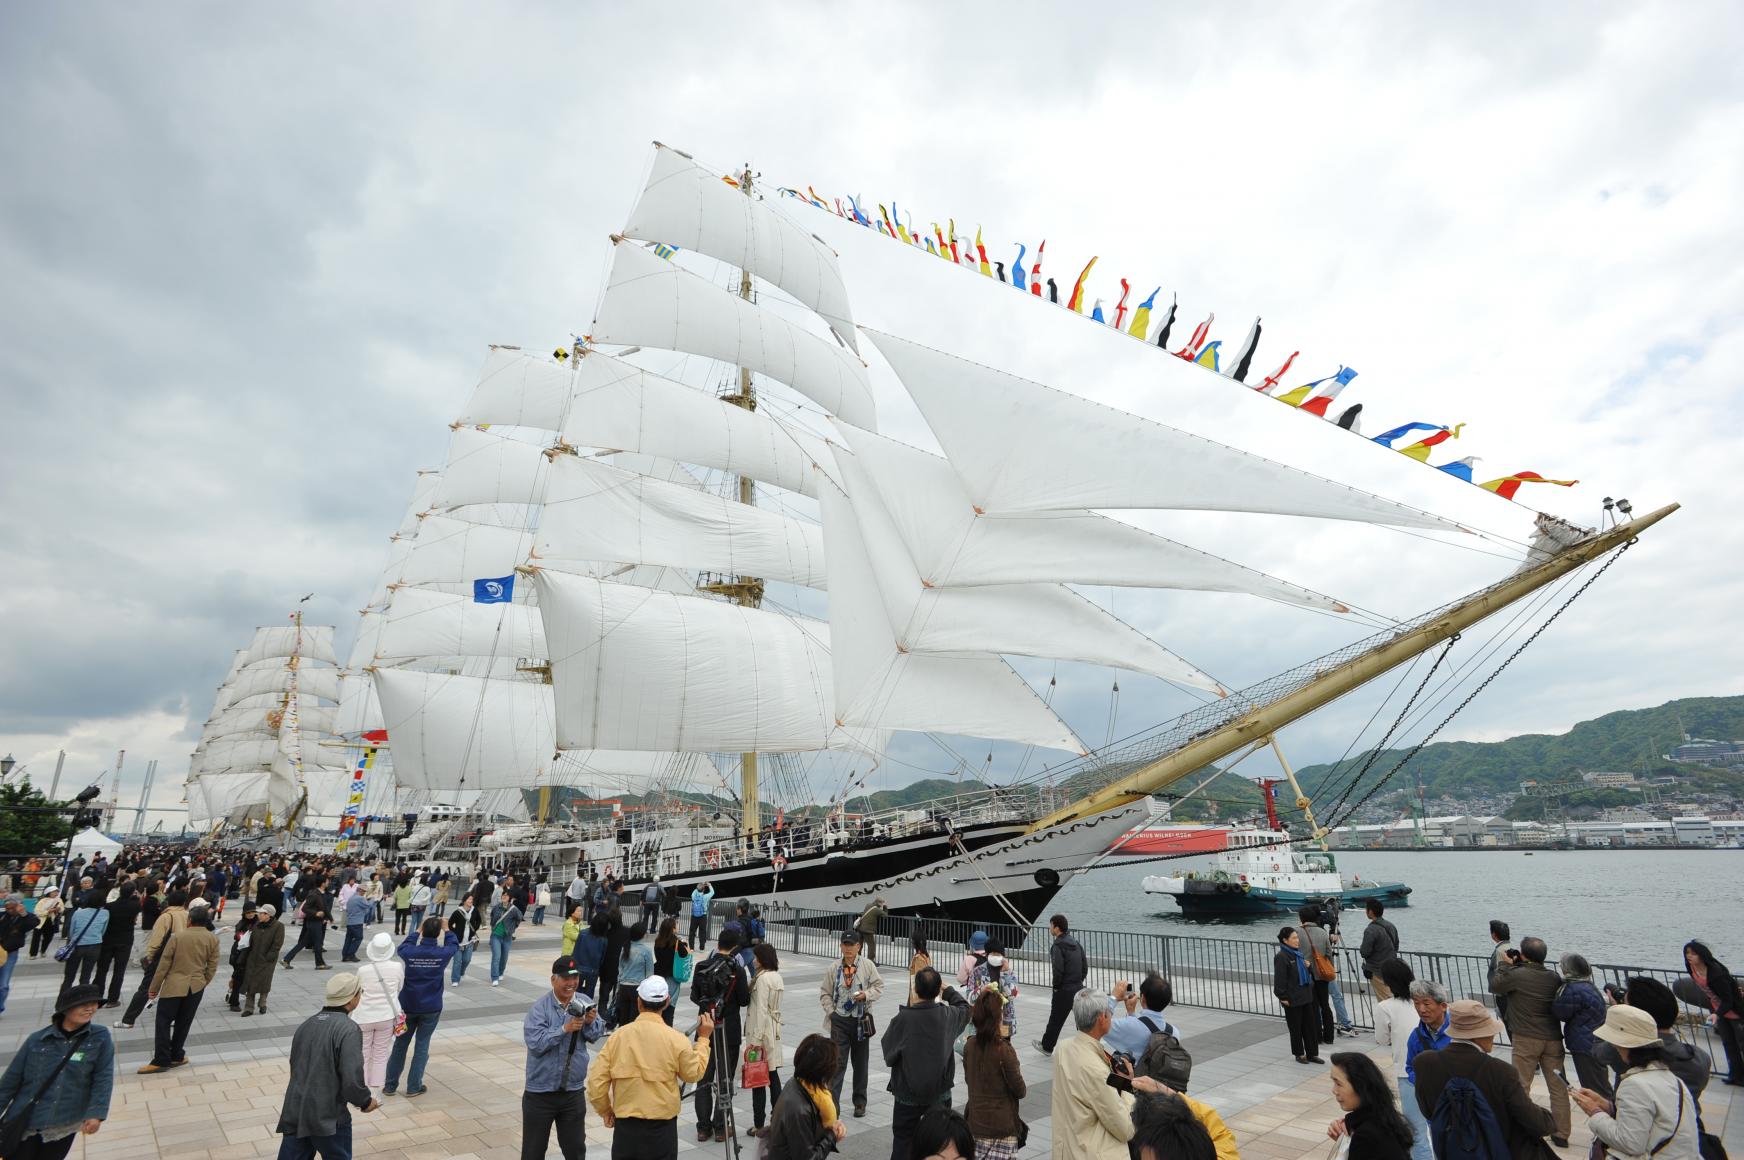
(1293, 985)
(763, 1026)
(1721, 990)
(668, 949)
(1652, 1113)
(635, 963)
(943, 1134)
(919, 959)
(806, 1111)
(1372, 1122)
(996, 1084)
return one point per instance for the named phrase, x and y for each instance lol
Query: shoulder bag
(66, 951)
(16, 1126)
(393, 1004)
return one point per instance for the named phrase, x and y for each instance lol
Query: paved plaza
(224, 1104)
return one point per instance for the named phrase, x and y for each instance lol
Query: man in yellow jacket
(633, 1084)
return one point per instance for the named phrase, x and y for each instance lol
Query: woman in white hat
(1653, 1114)
(379, 980)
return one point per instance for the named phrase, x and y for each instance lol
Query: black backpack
(1164, 1059)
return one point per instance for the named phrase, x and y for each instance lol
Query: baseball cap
(566, 967)
(652, 989)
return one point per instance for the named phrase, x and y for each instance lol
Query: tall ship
(696, 563)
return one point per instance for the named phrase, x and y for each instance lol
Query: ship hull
(922, 875)
(1219, 898)
(1155, 840)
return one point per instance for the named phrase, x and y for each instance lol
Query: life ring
(1274, 867)
(779, 862)
(711, 859)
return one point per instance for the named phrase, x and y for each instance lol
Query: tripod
(720, 1059)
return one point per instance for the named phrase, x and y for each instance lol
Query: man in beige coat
(173, 918)
(1091, 1120)
(188, 962)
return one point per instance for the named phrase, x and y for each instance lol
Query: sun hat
(381, 947)
(1470, 1019)
(978, 941)
(652, 989)
(1627, 1026)
(340, 989)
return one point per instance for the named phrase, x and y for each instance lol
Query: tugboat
(1259, 872)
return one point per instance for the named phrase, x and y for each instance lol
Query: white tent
(92, 842)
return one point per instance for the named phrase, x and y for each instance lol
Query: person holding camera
(804, 1124)
(1092, 1095)
(720, 990)
(847, 992)
(1534, 1031)
(557, 1030)
(634, 1085)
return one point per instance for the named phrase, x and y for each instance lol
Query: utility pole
(54, 790)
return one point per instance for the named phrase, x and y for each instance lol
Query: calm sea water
(1633, 908)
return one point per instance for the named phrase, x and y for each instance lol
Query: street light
(6, 764)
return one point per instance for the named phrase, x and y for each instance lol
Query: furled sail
(483, 468)
(953, 545)
(518, 390)
(686, 205)
(420, 623)
(997, 428)
(878, 685)
(453, 551)
(1041, 620)
(595, 511)
(625, 408)
(652, 302)
(639, 669)
(311, 642)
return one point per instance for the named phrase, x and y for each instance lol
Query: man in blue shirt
(1431, 1000)
(557, 1067)
(1131, 1032)
(358, 911)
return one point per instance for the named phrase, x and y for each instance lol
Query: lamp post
(6, 764)
(81, 817)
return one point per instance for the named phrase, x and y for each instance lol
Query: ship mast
(747, 591)
(1263, 721)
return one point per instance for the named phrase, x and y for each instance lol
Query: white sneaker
(496, 982)
(456, 982)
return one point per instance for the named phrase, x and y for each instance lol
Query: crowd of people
(637, 1013)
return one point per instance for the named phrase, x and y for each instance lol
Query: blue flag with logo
(497, 591)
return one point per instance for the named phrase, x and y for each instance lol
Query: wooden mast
(1261, 723)
(746, 590)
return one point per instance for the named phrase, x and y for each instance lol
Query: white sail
(423, 488)
(312, 681)
(199, 803)
(637, 669)
(594, 511)
(315, 642)
(399, 548)
(518, 390)
(455, 551)
(420, 623)
(233, 754)
(652, 302)
(284, 788)
(953, 545)
(458, 732)
(1039, 620)
(256, 719)
(1019, 446)
(483, 468)
(877, 685)
(685, 205)
(359, 710)
(224, 795)
(625, 408)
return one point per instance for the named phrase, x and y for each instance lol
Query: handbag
(755, 1071)
(682, 965)
(399, 1015)
(16, 1126)
(867, 1027)
(66, 952)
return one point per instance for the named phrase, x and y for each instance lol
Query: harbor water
(1634, 907)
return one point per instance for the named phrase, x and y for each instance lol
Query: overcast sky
(250, 260)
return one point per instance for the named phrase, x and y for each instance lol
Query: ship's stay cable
(1410, 754)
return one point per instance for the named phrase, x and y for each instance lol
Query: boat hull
(1216, 898)
(1155, 840)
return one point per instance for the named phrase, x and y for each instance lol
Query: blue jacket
(1581, 1008)
(1421, 1041)
(358, 910)
(639, 966)
(83, 1088)
(699, 902)
(426, 965)
(590, 953)
(508, 916)
(85, 928)
(548, 1047)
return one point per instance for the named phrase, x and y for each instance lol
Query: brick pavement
(225, 1103)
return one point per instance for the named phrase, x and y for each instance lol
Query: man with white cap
(1473, 1080)
(326, 1076)
(557, 1039)
(635, 1082)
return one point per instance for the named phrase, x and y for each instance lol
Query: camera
(1118, 1058)
(580, 1005)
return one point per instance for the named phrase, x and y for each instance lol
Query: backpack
(1164, 1059)
(1465, 1125)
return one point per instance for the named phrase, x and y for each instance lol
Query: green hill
(1631, 740)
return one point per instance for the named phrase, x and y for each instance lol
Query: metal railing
(1222, 974)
